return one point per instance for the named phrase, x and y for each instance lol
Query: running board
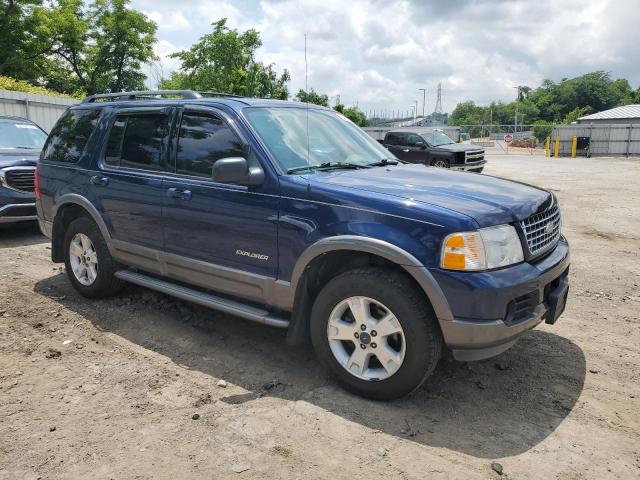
(247, 312)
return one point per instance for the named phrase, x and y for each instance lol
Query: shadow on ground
(19, 234)
(489, 409)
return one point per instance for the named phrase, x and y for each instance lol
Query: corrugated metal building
(41, 109)
(614, 116)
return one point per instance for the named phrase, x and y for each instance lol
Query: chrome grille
(542, 230)
(19, 178)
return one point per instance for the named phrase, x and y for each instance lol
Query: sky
(376, 54)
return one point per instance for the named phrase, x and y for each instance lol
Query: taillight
(36, 184)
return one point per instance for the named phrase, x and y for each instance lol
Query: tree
(353, 114)
(312, 97)
(98, 48)
(542, 129)
(224, 61)
(23, 39)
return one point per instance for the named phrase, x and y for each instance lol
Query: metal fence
(41, 109)
(614, 139)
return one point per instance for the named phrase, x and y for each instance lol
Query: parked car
(230, 203)
(20, 144)
(431, 146)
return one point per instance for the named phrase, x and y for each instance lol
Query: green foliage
(224, 61)
(353, 114)
(562, 102)
(100, 47)
(542, 129)
(7, 83)
(75, 45)
(312, 97)
(23, 39)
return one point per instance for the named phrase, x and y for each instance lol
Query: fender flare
(383, 249)
(76, 199)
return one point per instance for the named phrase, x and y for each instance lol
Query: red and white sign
(508, 138)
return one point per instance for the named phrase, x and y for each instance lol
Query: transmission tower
(438, 108)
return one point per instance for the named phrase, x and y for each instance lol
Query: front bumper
(469, 166)
(492, 310)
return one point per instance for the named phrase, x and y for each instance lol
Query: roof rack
(141, 94)
(220, 94)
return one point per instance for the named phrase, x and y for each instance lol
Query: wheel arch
(67, 208)
(343, 253)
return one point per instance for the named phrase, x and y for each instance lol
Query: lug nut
(357, 335)
(363, 346)
(373, 333)
(373, 345)
(363, 327)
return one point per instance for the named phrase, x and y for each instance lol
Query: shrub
(8, 83)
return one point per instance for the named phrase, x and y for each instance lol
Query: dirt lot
(119, 400)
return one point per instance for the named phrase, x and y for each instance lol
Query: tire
(421, 335)
(100, 283)
(440, 163)
(477, 170)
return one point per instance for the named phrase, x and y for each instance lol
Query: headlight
(483, 249)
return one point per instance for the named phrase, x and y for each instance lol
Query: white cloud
(378, 53)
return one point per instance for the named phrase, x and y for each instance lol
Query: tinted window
(70, 135)
(393, 139)
(413, 139)
(202, 141)
(136, 141)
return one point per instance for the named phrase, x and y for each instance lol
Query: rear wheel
(375, 332)
(88, 261)
(440, 163)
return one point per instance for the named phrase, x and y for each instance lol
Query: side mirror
(236, 170)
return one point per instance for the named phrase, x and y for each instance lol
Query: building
(629, 114)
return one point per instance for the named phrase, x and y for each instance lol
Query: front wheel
(440, 163)
(376, 333)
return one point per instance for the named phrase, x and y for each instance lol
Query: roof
(12, 119)
(628, 111)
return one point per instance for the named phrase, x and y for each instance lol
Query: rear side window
(137, 141)
(70, 135)
(203, 140)
(394, 139)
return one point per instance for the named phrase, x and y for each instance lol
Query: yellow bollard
(556, 149)
(574, 146)
(547, 147)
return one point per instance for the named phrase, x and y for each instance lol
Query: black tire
(440, 163)
(409, 305)
(105, 283)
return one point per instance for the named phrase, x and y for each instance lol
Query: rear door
(211, 227)
(127, 188)
(395, 143)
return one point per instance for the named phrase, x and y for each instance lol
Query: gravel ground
(143, 386)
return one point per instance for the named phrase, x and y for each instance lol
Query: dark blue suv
(288, 214)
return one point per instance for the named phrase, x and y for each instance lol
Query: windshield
(437, 138)
(332, 138)
(21, 135)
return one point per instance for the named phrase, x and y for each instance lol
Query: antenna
(306, 84)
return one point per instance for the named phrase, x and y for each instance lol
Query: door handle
(405, 150)
(181, 194)
(97, 180)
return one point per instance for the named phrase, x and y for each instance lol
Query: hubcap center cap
(365, 338)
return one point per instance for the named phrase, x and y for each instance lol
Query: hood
(488, 200)
(460, 147)
(12, 157)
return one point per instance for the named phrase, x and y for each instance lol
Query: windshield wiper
(328, 165)
(383, 162)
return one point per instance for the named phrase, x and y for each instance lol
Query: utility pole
(517, 103)
(424, 98)
(415, 111)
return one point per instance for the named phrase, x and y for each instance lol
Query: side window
(393, 139)
(70, 135)
(203, 140)
(413, 139)
(137, 141)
